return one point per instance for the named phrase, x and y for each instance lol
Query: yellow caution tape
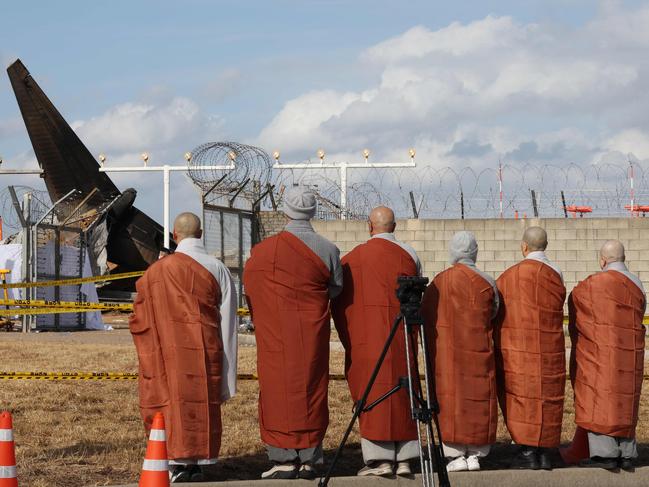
(120, 376)
(104, 376)
(45, 311)
(645, 320)
(67, 376)
(71, 282)
(43, 303)
(61, 307)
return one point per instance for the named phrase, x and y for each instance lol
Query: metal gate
(229, 234)
(59, 252)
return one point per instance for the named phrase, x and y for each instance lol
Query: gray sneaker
(377, 469)
(403, 469)
(281, 471)
(307, 472)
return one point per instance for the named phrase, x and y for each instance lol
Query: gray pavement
(568, 477)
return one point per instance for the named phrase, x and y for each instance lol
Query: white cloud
(469, 94)
(298, 124)
(630, 141)
(455, 40)
(131, 128)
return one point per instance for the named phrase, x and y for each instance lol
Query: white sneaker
(473, 463)
(403, 469)
(281, 471)
(457, 465)
(376, 469)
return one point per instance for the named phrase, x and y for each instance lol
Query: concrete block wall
(573, 242)
(271, 223)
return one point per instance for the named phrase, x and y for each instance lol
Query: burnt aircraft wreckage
(123, 238)
(133, 239)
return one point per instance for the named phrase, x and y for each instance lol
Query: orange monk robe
(363, 314)
(458, 306)
(530, 353)
(607, 359)
(286, 286)
(176, 330)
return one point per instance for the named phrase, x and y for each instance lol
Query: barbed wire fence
(546, 190)
(428, 192)
(606, 189)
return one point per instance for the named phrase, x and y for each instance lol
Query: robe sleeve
(228, 310)
(340, 307)
(572, 331)
(429, 304)
(336, 278)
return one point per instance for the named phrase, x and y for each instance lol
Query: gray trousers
(287, 455)
(391, 451)
(192, 461)
(611, 447)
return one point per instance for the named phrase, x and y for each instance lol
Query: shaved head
(612, 251)
(187, 225)
(536, 239)
(382, 220)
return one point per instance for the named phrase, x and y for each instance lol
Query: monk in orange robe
(184, 332)
(288, 280)
(459, 306)
(530, 352)
(607, 359)
(364, 314)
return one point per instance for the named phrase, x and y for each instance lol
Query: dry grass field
(89, 432)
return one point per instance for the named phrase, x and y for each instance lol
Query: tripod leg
(437, 450)
(360, 406)
(420, 414)
(411, 393)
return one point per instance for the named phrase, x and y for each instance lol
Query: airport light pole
(166, 169)
(19, 171)
(342, 170)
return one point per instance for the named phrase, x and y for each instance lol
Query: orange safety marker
(8, 476)
(155, 469)
(577, 450)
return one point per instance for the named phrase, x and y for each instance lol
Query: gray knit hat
(463, 246)
(300, 203)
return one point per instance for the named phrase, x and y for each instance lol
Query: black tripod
(423, 402)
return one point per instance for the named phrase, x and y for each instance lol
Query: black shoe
(599, 462)
(281, 471)
(196, 474)
(180, 473)
(527, 458)
(307, 472)
(544, 459)
(627, 464)
(186, 473)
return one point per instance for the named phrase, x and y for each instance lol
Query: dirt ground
(90, 433)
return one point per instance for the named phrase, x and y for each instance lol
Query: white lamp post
(342, 170)
(166, 169)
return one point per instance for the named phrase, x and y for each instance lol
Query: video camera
(409, 293)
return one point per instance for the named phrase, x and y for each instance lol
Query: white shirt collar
(385, 235)
(190, 244)
(537, 255)
(616, 266)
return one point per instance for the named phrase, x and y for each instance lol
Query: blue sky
(248, 70)
(91, 55)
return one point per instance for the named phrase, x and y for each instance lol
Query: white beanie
(463, 246)
(300, 203)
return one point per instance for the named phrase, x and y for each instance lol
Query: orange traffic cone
(155, 469)
(578, 449)
(7, 452)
